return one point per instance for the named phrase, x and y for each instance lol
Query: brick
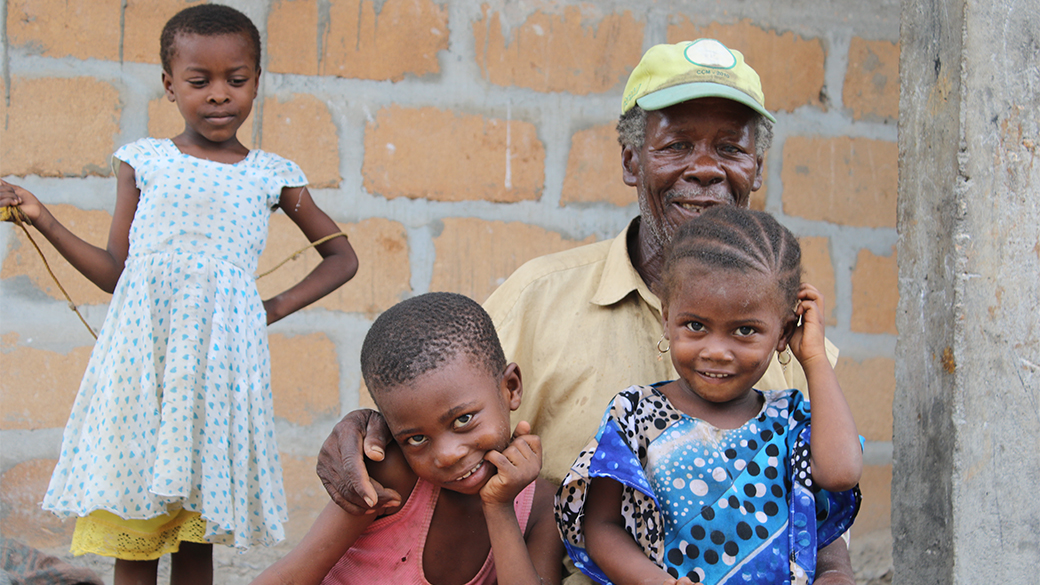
(875, 293)
(790, 66)
(301, 130)
(384, 272)
(48, 134)
(594, 169)
(871, 85)
(842, 180)
(82, 29)
(293, 37)
(143, 24)
(869, 387)
(575, 50)
(818, 270)
(475, 256)
(304, 494)
(471, 158)
(20, 511)
(399, 37)
(22, 259)
(165, 121)
(34, 377)
(304, 377)
(876, 511)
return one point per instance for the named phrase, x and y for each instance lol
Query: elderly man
(585, 323)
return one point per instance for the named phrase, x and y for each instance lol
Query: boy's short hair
(207, 20)
(425, 332)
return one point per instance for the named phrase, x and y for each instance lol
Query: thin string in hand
(304, 249)
(17, 216)
(13, 214)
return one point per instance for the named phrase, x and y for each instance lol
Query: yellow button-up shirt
(582, 325)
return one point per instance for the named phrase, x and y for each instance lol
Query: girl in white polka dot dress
(705, 479)
(170, 446)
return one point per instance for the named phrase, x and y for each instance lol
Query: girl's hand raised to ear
(518, 465)
(807, 341)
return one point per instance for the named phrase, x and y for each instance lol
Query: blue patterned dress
(175, 406)
(722, 506)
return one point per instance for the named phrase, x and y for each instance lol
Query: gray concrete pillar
(966, 474)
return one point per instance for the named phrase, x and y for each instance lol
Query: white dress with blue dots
(175, 406)
(721, 506)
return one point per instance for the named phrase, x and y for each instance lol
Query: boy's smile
(447, 419)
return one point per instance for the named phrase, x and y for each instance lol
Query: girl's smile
(723, 328)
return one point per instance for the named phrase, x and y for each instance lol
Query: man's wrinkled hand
(341, 464)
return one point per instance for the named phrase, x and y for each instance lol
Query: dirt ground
(871, 561)
(872, 558)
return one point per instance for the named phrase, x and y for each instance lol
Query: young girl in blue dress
(704, 479)
(170, 446)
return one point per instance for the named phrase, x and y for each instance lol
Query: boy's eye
(238, 81)
(745, 330)
(695, 326)
(416, 440)
(463, 420)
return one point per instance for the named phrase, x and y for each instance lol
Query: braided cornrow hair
(734, 238)
(425, 332)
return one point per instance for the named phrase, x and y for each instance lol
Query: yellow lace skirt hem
(103, 533)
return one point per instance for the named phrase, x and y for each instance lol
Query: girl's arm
(836, 456)
(338, 264)
(609, 544)
(536, 557)
(101, 266)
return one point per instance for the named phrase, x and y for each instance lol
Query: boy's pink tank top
(391, 549)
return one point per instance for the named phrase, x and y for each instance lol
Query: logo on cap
(710, 53)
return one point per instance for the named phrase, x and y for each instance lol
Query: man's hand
(341, 463)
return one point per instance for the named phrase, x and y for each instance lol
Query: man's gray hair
(631, 129)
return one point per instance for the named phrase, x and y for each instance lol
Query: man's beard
(650, 223)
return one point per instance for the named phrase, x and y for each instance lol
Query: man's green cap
(672, 74)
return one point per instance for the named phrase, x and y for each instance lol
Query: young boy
(474, 509)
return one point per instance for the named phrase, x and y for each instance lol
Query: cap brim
(677, 94)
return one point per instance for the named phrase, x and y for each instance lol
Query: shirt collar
(620, 277)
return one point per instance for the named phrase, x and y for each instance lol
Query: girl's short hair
(424, 332)
(729, 237)
(206, 20)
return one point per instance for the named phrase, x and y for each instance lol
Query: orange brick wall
(453, 140)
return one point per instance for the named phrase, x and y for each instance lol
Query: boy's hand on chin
(517, 465)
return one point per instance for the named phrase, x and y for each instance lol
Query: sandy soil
(871, 560)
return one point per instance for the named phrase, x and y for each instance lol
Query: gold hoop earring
(661, 352)
(784, 358)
